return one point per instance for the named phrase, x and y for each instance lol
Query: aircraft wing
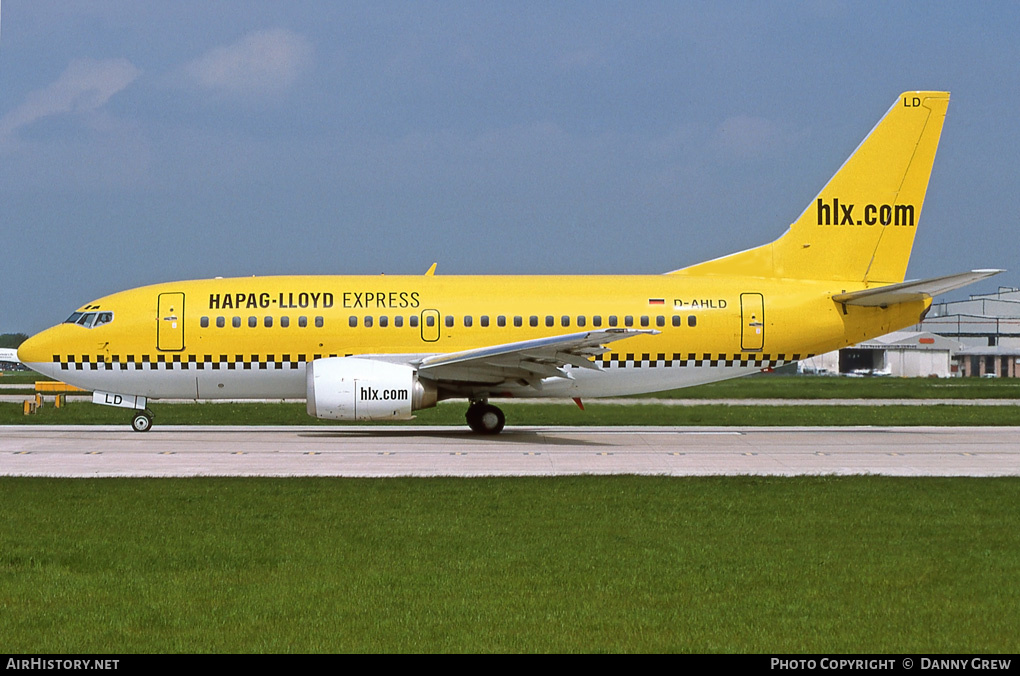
(527, 361)
(915, 290)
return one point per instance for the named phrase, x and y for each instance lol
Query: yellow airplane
(379, 348)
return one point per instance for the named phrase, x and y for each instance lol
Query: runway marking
(239, 453)
(749, 454)
(820, 453)
(385, 453)
(532, 453)
(458, 453)
(168, 453)
(22, 452)
(93, 452)
(312, 453)
(674, 434)
(604, 453)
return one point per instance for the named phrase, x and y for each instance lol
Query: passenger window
(285, 322)
(565, 320)
(204, 322)
(549, 320)
(318, 322)
(467, 321)
(236, 321)
(501, 320)
(253, 322)
(628, 321)
(220, 322)
(533, 320)
(398, 321)
(660, 321)
(268, 322)
(352, 322)
(678, 320)
(612, 320)
(484, 320)
(430, 321)
(518, 321)
(449, 321)
(581, 321)
(384, 322)
(596, 321)
(692, 321)
(302, 322)
(644, 320)
(412, 321)
(368, 322)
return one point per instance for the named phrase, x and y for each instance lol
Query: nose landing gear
(142, 422)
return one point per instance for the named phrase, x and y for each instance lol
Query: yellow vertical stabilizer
(861, 226)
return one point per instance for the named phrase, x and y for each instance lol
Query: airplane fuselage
(252, 337)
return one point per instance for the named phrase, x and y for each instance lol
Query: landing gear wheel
(142, 422)
(485, 419)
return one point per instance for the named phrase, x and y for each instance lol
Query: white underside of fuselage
(286, 380)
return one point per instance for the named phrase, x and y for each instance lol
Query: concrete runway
(115, 451)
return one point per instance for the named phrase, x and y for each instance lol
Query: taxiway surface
(100, 451)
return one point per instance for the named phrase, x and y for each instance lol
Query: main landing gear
(142, 422)
(484, 418)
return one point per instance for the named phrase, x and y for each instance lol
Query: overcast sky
(143, 142)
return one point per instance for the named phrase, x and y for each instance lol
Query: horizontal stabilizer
(916, 290)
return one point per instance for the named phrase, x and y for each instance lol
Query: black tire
(485, 419)
(142, 422)
(472, 417)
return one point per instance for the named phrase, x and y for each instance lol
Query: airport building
(988, 328)
(9, 360)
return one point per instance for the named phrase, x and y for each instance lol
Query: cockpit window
(90, 320)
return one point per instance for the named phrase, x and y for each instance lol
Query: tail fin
(861, 226)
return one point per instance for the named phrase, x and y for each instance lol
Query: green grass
(769, 386)
(85, 413)
(21, 378)
(644, 564)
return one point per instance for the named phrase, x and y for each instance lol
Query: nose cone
(37, 353)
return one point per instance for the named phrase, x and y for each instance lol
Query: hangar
(907, 354)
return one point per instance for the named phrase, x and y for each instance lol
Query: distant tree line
(12, 339)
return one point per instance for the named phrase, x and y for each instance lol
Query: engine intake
(351, 388)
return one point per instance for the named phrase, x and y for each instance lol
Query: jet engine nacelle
(349, 388)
